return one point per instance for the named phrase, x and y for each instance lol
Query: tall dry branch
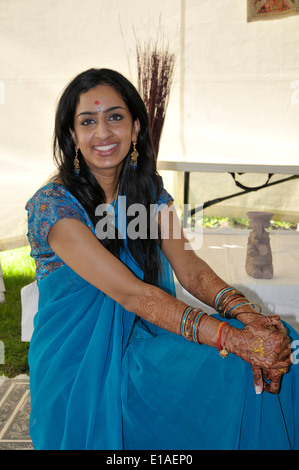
(155, 68)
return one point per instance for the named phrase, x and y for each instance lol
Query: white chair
(2, 287)
(29, 300)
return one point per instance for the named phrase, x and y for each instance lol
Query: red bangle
(219, 335)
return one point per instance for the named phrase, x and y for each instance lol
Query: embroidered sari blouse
(48, 205)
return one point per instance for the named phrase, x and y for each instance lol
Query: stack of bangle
(224, 299)
(191, 319)
(225, 304)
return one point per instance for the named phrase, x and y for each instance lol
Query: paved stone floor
(14, 414)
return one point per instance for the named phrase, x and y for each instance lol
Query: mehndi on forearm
(160, 308)
(171, 314)
(203, 283)
(210, 289)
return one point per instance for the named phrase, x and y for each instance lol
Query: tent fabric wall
(235, 96)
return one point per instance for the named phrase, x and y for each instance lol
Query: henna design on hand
(263, 342)
(265, 345)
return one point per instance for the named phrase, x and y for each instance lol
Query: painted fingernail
(258, 389)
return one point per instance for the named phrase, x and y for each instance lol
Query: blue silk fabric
(178, 395)
(102, 378)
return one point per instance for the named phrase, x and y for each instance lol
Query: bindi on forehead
(97, 102)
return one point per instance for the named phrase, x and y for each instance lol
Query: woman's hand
(265, 345)
(273, 376)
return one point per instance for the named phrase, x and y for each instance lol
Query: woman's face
(103, 129)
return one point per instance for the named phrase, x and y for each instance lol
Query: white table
(218, 166)
(228, 167)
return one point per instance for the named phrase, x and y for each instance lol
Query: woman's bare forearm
(204, 284)
(160, 308)
(192, 272)
(157, 306)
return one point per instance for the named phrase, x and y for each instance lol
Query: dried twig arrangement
(155, 67)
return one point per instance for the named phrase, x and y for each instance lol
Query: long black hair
(142, 185)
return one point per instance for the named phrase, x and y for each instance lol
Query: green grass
(18, 270)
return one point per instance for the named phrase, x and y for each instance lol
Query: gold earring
(76, 163)
(134, 156)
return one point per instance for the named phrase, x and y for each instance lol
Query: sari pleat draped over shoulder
(80, 335)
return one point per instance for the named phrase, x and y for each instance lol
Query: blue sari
(102, 378)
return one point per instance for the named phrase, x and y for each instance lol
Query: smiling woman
(104, 135)
(129, 120)
(109, 340)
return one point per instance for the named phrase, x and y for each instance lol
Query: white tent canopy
(235, 96)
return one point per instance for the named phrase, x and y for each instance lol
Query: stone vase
(259, 256)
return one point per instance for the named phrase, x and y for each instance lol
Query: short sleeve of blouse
(50, 204)
(46, 207)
